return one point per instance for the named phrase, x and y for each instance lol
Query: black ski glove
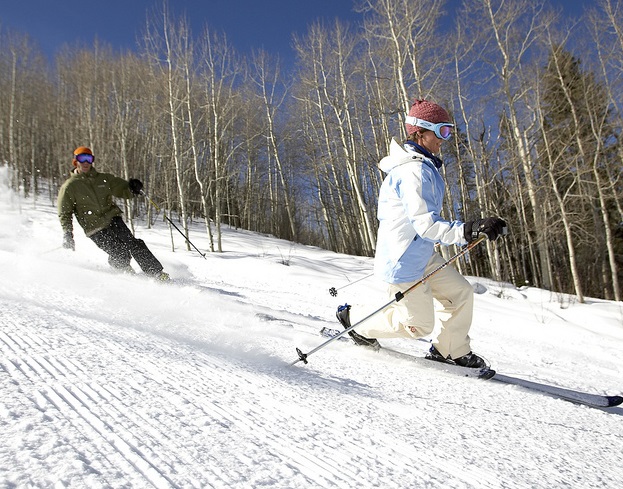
(493, 227)
(68, 241)
(135, 186)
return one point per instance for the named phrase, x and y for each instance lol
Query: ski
(571, 395)
(484, 373)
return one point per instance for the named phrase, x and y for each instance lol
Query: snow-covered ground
(110, 380)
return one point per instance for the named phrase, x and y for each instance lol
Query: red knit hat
(428, 111)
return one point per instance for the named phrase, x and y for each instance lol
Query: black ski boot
(343, 316)
(471, 360)
(433, 354)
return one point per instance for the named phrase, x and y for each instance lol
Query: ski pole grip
(483, 236)
(151, 201)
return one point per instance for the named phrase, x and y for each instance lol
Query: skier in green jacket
(88, 195)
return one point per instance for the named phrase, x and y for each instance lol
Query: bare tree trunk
(613, 22)
(188, 61)
(571, 248)
(502, 22)
(174, 107)
(220, 73)
(267, 83)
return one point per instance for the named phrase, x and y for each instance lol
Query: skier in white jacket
(410, 224)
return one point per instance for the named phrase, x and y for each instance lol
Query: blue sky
(268, 24)
(259, 23)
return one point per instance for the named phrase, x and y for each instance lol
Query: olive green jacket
(90, 197)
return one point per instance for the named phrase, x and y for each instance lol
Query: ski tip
(614, 400)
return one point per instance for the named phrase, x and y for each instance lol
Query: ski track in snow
(171, 415)
(194, 404)
(114, 381)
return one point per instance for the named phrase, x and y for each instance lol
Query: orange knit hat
(80, 150)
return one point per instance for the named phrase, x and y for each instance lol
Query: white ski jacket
(409, 207)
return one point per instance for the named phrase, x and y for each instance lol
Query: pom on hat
(428, 111)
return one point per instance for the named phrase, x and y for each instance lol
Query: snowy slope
(110, 380)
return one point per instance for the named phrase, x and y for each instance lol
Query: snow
(113, 380)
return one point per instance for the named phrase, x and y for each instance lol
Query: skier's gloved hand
(493, 227)
(135, 186)
(68, 241)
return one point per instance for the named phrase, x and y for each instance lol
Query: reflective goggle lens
(84, 158)
(445, 132)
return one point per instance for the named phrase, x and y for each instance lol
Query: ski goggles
(443, 130)
(85, 158)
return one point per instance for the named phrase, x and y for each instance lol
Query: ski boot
(471, 360)
(343, 316)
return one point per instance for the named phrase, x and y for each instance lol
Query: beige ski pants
(414, 315)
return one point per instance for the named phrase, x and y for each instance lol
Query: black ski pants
(121, 246)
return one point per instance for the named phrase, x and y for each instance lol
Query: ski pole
(172, 224)
(333, 290)
(398, 297)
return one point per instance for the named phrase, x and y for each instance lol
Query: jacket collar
(92, 173)
(410, 145)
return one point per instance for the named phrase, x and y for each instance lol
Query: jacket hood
(397, 156)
